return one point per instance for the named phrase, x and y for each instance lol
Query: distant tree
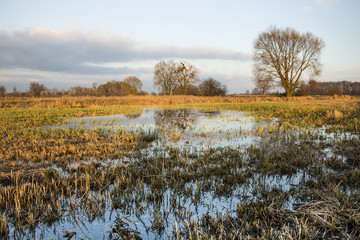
(126, 89)
(285, 55)
(54, 92)
(110, 88)
(2, 91)
(212, 87)
(263, 84)
(302, 90)
(36, 89)
(94, 88)
(171, 77)
(192, 90)
(15, 92)
(102, 90)
(255, 91)
(313, 88)
(186, 75)
(335, 90)
(114, 88)
(79, 91)
(165, 77)
(135, 83)
(329, 88)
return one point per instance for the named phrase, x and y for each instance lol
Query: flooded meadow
(183, 173)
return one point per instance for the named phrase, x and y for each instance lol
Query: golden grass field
(342, 102)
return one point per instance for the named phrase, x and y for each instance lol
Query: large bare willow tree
(284, 56)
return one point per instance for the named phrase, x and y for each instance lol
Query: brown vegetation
(151, 100)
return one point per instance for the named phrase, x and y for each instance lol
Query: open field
(180, 167)
(150, 100)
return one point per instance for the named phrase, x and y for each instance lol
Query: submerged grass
(296, 182)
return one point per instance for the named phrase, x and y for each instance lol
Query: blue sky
(75, 43)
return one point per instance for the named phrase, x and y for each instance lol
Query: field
(180, 167)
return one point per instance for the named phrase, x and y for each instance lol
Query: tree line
(314, 87)
(328, 88)
(129, 86)
(169, 78)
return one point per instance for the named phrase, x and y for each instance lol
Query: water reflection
(181, 128)
(193, 130)
(178, 119)
(133, 116)
(211, 113)
(152, 211)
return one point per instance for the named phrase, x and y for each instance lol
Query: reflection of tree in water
(211, 113)
(178, 119)
(133, 116)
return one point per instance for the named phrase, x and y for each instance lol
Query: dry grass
(150, 100)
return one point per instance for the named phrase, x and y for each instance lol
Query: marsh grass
(293, 183)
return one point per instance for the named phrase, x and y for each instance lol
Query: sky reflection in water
(182, 128)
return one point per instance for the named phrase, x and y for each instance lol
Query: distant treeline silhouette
(207, 87)
(329, 88)
(129, 86)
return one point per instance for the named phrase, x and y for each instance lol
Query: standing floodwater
(182, 128)
(166, 173)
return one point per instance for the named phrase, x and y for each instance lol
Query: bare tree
(165, 76)
(263, 84)
(135, 83)
(94, 88)
(285, 55)
(36, 89)
(186, 74)
(2, 91)
(54, 92)
(15, 92)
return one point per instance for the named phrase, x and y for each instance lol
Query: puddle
(184, 129)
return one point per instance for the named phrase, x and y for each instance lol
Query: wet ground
(212, 162)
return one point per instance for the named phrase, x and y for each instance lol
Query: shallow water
(186, 131)
(142, 219)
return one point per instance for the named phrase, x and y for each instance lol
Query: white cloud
(70, 57)
(327, 3)
(71, 50)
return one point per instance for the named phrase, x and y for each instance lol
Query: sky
(69, 43)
